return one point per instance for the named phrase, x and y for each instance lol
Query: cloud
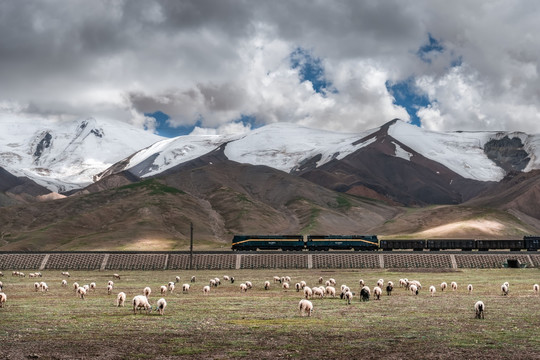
(208, 63)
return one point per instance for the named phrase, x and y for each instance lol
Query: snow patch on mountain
(400, 153)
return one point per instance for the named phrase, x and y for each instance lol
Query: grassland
(261, 324)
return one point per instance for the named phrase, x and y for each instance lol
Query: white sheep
(327, 283)
(308, 292)
(332, 281)
(218, 281)
(380, 283)
(413, 289)
(453, 285)
(306, 307)
(267, 285)
(361, 282)
(147, 291)
(213, 283)
(443, 286)
(161, 304)
(249, 284)
(330, 291)
(206, 290)
(303, 284)
(185, 288)
(226, 278)
(163, 289)
(277, 279)
(93, 286)
(120, 299)
(110, 282)
(81, 291)
(432, 290)
(504, 289)
(243, 287)
(318, 291)
(285, 286)
(43, 286)
(3, 299)
(298, 287)
(507, 284)
(171, 287)
(109, 289)
(75, 286)
(377, 292)
(36, 286)
(479, 308)
(402, 283)
(32, 275)
(415, 283)
(321, 280)
(349, 296)
(177, 279)
(344, 289)
(140, 302)
(65, 273)
(116, 276)
(536, 289)
(470, 288)
(86, 287)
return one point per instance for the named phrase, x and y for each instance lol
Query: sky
(210, 67)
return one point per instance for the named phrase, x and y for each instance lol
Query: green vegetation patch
(154, 186)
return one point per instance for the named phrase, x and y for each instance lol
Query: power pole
(191, 247)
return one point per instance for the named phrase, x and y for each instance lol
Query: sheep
(321, 280)
(402, 283)
(64, 283)
(470, 288)
(536, 288)
(206, 290)
(218, 281)
(147, 291)
(413, 289)
(303, 284)
(432, 290)
(377, 292)
(250, 285)
(344, 289)
(65, 273)
(317, 291)
(192, 279)
(32, 275)
(308, 292)
(109, 289)
(161, 304)
(1, 286)
(389, 288)
(44, 287)
(140, 302)
(232, 279)
(277, 279)
(365, 293)
(327, 283)
(213, 283)
(75, 286)
(93, 286)
(479, 308)
(120, 299)
(86, 287)
(415, 283)
(226, 278)
(116, 276)
(306, 307)
(110, 282)
(297, 286)
(163, 289)
(36, 286)
(267, 285)
(185, 288)
(504, 289)
(443, 286)
(380, 283)
(1, 274)
(507, 284)
(349, 296)
(3, 299)
(81, 291)
(288, 279)
(177, 279)
(171, 287)
(332, 281)
(330, 291)
(282, 280)
(453, 285)
(243, 287)
(285, 286)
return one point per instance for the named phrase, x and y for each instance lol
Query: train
(373, 243)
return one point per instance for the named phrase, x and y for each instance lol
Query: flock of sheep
(305, 306)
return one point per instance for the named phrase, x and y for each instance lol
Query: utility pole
(191, 247)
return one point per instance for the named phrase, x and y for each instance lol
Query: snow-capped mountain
(64, 156)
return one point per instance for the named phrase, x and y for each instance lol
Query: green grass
(266, 324)
(155, 187)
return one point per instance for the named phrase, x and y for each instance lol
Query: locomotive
(372, 243)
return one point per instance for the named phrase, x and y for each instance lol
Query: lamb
(479, 308)
(86, 287)
(3, 299)
(267, 285)
(536, 288)
(250, 285)
(349, 296)
(297, 286)
(288, 279)
(332, 281)
(413, 289)
(306, 307)
(470, 288)
(110, 282)
(389, 288)
(327, 283)
(213, 283)
(163, 289)
(36, 286)
(380, 283)
(65, 273)
(206, 290)
(109, 289)
(171, 287)
(303, 284)
(75, 286)
(321, 280)
(365, 293)
(308, 292)
(377, 292)
(82, 292)
(432, 290)
(243, 287)
(226, 278)
(402, 282)
(443, 286)
(218, 281)
(32, 275)
(185, 288)
(161, 304)
(504, 289)
(177, 279)
(453, 285)
(93, 286)
(43, 286)
(362, 283)
(277, 279)
(120, 299)
(140, 302)
(116, 276)
(330, 291)
(147, 291)
(192, 279)
(344, 289)
(285, 286)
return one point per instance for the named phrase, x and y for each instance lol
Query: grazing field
(227, 324)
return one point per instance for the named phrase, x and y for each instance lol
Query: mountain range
(104, 185)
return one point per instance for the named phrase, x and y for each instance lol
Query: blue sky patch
(406, 95)
(164, 128)
(426, 51)
(310, 68)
